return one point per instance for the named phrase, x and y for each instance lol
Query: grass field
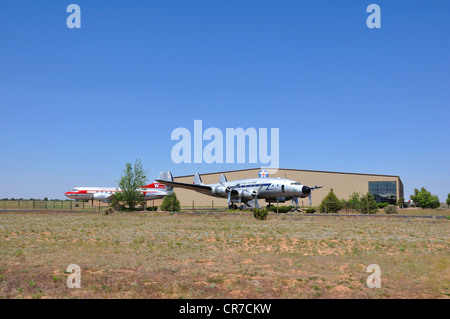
(162, 255)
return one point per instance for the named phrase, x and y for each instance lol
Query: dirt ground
(163, 255)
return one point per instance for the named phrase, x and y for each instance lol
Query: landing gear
(232, 206)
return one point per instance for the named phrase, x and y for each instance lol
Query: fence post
(193, 206)
(19, 204)
(83, 206)
(212, 205)
(33, 204)
(277, 206)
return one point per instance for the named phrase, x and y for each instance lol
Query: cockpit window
(296, 183)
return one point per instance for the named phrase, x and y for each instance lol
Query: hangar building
(385, 188)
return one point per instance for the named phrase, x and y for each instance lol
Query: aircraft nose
(306, 190)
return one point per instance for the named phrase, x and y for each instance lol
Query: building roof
(290, 169)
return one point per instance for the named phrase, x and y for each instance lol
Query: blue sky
(77, 104)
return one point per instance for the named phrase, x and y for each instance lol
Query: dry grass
(161, 255)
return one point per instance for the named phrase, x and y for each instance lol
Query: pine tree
(330, 204)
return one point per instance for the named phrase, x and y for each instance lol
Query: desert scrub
(260, 213)
(391, 209)
(310, 210)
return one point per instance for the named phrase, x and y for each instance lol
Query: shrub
(310, 210)
(260, 213)
(281, 209)
(353, 201)
(368, 205)
(108, 211)
(391, 209)
(152, 208)
(401, 202)
(171, 203)
(330, 204)
(382, 205)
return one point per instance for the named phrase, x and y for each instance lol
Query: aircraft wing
(195, 187)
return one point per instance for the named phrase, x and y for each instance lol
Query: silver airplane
(246, 192)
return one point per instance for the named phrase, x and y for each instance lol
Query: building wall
(343, 185)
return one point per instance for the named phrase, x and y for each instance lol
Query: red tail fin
(155, 185)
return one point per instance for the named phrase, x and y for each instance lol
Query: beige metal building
(383, 187)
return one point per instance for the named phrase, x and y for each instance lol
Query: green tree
(171, 203)
(401, 202)
(424, 199)
(330, 204)
(353, 201)
(448, 200)
(368, 204)
(132, 179)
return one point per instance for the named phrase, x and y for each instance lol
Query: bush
(171, 203)
(310, 210)
(108, 211)
(391, 209)
(382, 205)
(260, 213)
(401, 202)
(281, 209)
(330, 204)
(368, 205)
(354, 201)
(152, 208)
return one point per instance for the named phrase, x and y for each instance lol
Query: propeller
(228, 189)
(255, 195)
(310, 190)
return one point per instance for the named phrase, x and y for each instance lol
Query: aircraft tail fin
(166, 176)
(222, 179)
(197, 179)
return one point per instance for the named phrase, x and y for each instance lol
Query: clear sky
(78, 104)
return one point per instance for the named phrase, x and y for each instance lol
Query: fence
(51, 205)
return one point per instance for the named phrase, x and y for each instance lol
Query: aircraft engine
(219, 190)
(246, 194)
(306, 190)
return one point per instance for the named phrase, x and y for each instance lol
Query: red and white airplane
(151, 191)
